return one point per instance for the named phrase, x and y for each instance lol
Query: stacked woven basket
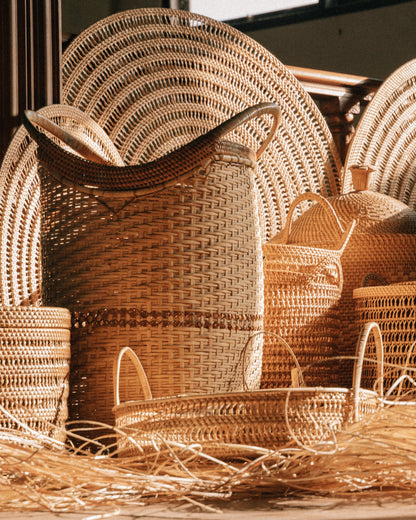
(178, 253)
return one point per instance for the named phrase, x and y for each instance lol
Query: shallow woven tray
(227, 423)
(386, 137)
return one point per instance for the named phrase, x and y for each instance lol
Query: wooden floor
(305, 509)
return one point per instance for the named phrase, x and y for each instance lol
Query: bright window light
(232, 9)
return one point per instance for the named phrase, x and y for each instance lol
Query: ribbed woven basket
(34, 369)
(155, 79)
(170, 264)
(393, 307)
(302, 287)
(383, 241)
(386, 137)
(265, 418)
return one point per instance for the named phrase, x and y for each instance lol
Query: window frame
(323, 9)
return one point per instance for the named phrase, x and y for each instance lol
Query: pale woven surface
(20, 229)
(176, 275)
(34, 368)
(382, 242)
(386, 137)
(393, 307)
(155, 79)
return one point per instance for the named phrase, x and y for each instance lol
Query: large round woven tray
(226, 424)
(155, 79)
(34, 369)
(386, 137)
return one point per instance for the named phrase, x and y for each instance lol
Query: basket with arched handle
(302, 288)
(227, 425)
(168, 261)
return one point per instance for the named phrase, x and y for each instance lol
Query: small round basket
(34, 369)
(227, 425)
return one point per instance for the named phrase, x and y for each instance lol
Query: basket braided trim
(205, 72)
(386, 135)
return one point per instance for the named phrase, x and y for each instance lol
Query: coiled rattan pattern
(386, 137)
(155, 79)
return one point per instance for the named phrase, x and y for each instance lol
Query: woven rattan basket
(393, 307)
(169, 264)
(34, 369)
(383, 241)
(386, 138)
(302, 287)
(227, 423)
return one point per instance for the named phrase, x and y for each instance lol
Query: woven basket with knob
(163, 257)
(227, 424)
(302, 287)
(34, 369)
(383, 241)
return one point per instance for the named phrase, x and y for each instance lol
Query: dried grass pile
(38, 474)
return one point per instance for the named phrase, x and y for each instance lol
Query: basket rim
(275, 392)
(399, 289)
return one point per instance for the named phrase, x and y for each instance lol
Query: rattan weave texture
(34, 369)
(155, 79)
(386, 137)
(175, 273)
(303, 285)
(383, 242)
(265, 418)
(20, 213)
(393, 307)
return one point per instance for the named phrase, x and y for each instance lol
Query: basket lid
(374, 212)
(407, 288)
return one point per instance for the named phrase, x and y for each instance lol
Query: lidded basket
(382, 242)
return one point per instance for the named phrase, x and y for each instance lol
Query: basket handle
(140, 372)
(296, 373)
(100, 179)
(370, 327)
(345, 234)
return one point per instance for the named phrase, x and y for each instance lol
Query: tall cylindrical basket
(163, 257)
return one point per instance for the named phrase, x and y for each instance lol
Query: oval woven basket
(302, 288)
(169, 264)
(393, 307)
(34, 369)
(226, 425)
(385, 137)
(205, 72)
